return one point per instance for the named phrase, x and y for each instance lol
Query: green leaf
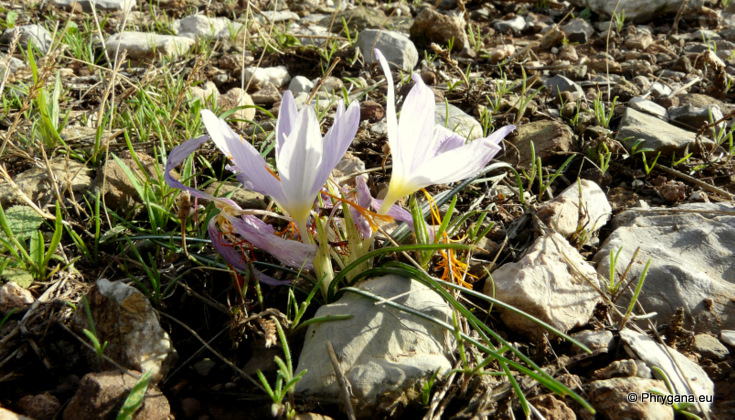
(22, 221)
(18, 276)
(135, 398)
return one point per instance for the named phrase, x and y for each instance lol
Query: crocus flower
(425, 153)
(304, 160)
(232, 222)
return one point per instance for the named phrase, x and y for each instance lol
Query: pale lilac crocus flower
(425, 153)
(304, 160)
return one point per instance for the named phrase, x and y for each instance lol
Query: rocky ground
(613, 221)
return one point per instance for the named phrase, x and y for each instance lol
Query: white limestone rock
(260, 76)
(544, 285)
(455, 119)
(380, 349)
(199, 26)
(571, 213)
(108, 5)
(657, 355)
(692, 252)
(656, 134)
(398, 50)
(126, 320)
(36, 34)
(142, 45)
(639, 11)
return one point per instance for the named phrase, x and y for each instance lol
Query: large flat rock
(692, 252)
(381, 350)
(656, 134)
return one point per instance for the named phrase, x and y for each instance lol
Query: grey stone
(692, 252)
(359, 18)
(578, 30)
(648, 107)
(238, 98)
(204, 367)
(571, 213)
(559, 83)
(659, 355)
(639, 41)
(660, 90)
(610, 399)
(202, 27)
(9, 63)
(549, 138)
(400, 52)
(639, 11)
(36, 185)
(309, 34)
(142, 45)
(268, 95)
(696, 117)
(457, 120)
(594, 340)
(516, 25)
(543, 284)
(35, 34)
(432, 26)
(277, 15)
(205, 93)
(300, 84)
(709, 346)
(111, 5)
(656, 134)
(386, 350)
(624, 368)
(101, 394)
(126, 320)
(258, 77)
(728, 337)
(332, 84)
(15, 297)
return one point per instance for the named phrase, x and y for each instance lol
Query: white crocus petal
(415, 128)
(287, 115)
(218, 131)
(390, 110)
(456, 164)
(337, 141)
(254, 168)
(426, 154)
(298, 162)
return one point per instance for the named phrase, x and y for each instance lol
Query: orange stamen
(367, 214)
(453, 268)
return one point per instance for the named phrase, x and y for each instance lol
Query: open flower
(233, 222)
(425, 153)
(304, 160)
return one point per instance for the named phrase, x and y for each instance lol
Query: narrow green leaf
(135, 398)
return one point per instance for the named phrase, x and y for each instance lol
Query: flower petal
(415, 128)
(218, 131)
(176, 157)
(291, 253)
(253, 168)
(298, 164)
(287, 114)
(235, 257)
(337, 141)
(460, 163)
(390, 109)
(445, 140)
